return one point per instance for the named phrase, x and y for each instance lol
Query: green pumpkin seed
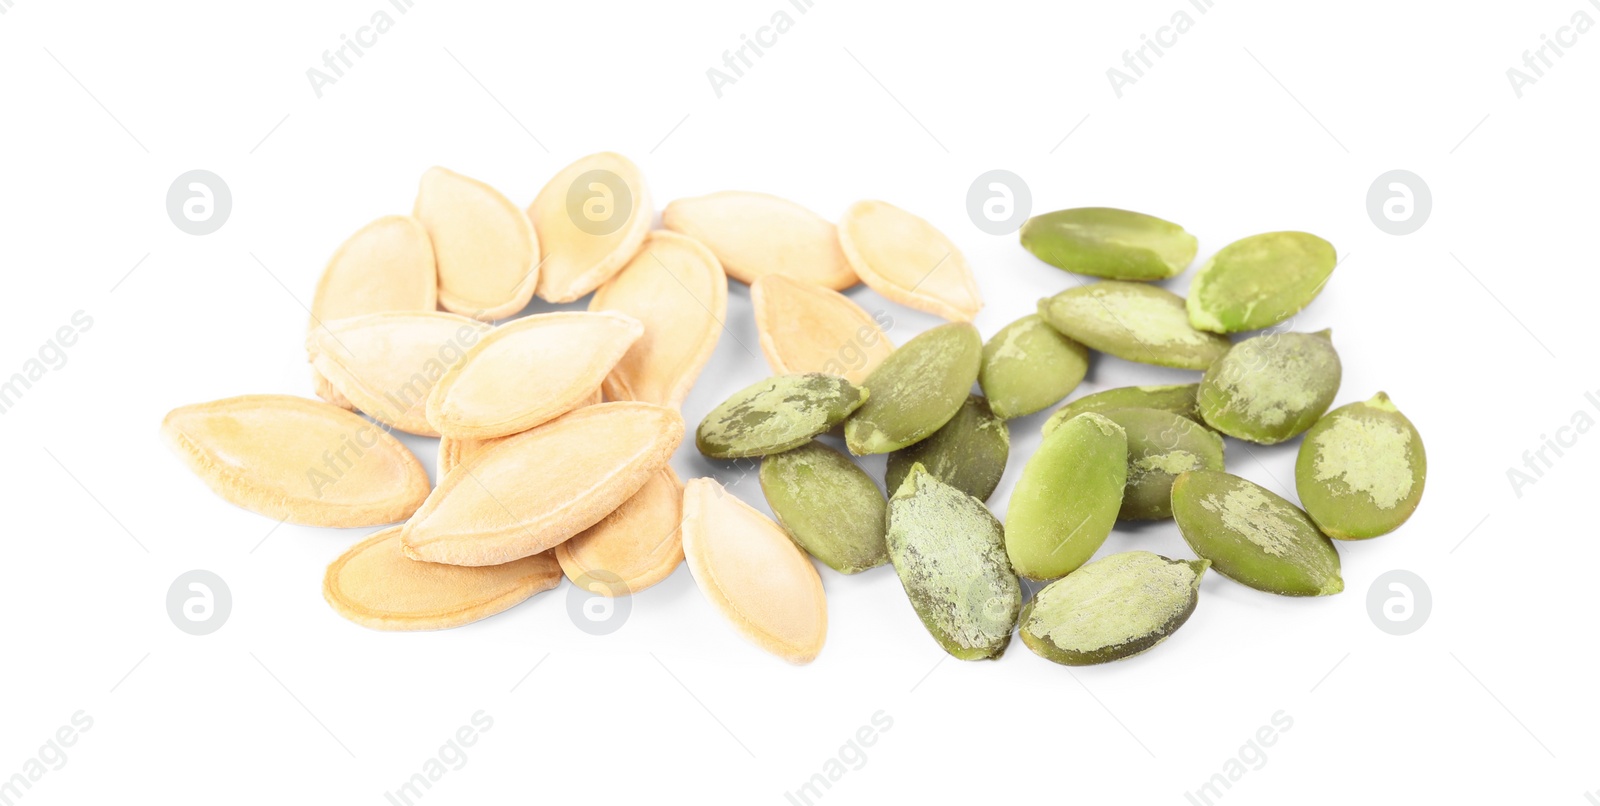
(1271, 388)
(1254, 537)
(1259, 281)
(1133, 321)
(830, 507)
(1029, 366)
(950, 554)
(1177, 398)
(777, 414)
(916, 390)
(1111, 243)
(968, 453)
(1160, 446)
(1112, 608)
(1361, 470)
(1067, 500)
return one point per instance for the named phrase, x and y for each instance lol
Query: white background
(1264, 116)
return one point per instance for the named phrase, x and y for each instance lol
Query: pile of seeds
(555, 429)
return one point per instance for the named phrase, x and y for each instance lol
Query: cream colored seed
(756, 235)
(454, 452)
(805, 327)
(386, 364)
(590, 231)
(634, 547)
(907, 260)
(486, 248)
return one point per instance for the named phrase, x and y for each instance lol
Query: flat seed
(634, 547)
(777, 414)
(1361, 470)
(375, 585)
(1029, 366)
(755, 235)
(916, 390)
(1110, 243)
(1271, 388)
(968, 453)
(1133, 321)
(535, 490)
(950, 554)
(386, 364)
(591, 219)
(528, 372)
(1176, 398)
(753, 574)
(1064, 506)
(1112, 608)
(454, 452)
(830, 506)
(1254, 537)
(906, 260)
(486, 248)
(805, 327)
(1259, 281)
(298, 460)
(1160, 446)
(677, 289)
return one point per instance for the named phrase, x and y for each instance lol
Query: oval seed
(831, 507)
(1029, 366)
(487, 252)
(1064, 506)
(1160, 446)
(454, 452)
(1254, 537)
(755, 235)
(1176, 398)
(1259, 281)
(1361, 470)
(776, 414)
(905, 259)
(634, 547)
(968, 453)
(591, 217)
(1133, 321)
(1110, 243)
(1112, 608)
(916, 390)
(1271, 388)
(805, 327)
(386, 364)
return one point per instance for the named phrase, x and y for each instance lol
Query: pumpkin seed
(1271, 388)
(634, 547)
(1176, 398)
(1253, 536)
(755, 235)
(1064, 506)
(805, 327)
(454, 452)
(1132, 321)
(1361, 470)
(1110, 243)
(1259, 281)
(968, 453)
(1160, 446)
(777, 414)
(916, 390)
(831, 507)
(591, 217)
(906, 260)
(1112, 608)
(1029, 366)
(386, 364)
(486, 248)
(950, 555)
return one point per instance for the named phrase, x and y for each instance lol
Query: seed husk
(1029, 366)
(804, 327)
(829, 505)
(486, 248)
(1133, 321)
(580, 260)
(1160, 446)
(777, 414)
(1361, 470)
(1271, 388)
(1112, 608)
(916, 390)
(1110, 243)
(375, 585)
(755, 235)
(1253, 536)
(968, 453)
(753, 574)
(634, 547)
(949, 552)
(455, 452)
(907, 260)
(1067, 500)
(299, 460)
(1176, 398)
(1259, 281)
(386, 364)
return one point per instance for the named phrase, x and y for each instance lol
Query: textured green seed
(829, 506)
(951, 558)
(916, 390)
(968, 453)
(1361, 470)
(1111, 243)
(1254, 537)
(1259, 281)
(1271, 388)
(1160, 446)
(1112, 608)
(1177, 398)
(777, 414)
(1133, 321)
(1029, 366)
(1067, 500)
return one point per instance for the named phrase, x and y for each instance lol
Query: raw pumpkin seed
(756, 235)
(487, 252)
(777, 414)
(387, 364)
(968, 453)
(1112, 608)
(916, 390)
(1259, 281)
(1029, 366)
(1361, 470)
(906, 260)
(1160, 446)
(455, 452)
(830, 506)
(1253, 536)
(634, 547)
(805, 327)
(1132, 321)
(1271, 388)
(1176, 398)
(591, 219)
(1110, 243)
(1067, 500)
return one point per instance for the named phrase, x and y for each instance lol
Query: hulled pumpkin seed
(1110, 243)
(1067, 500)
(1259, 281)
(1253, 536)
(830, 506)
(1029, 366)
(777, 414)
(591, 219)
(634, 547)
(968, 453)
(486, 248)
(1160, 446)
(755, 235)
(805, 327)
(1112, 608)
(1271, 388)
(1361, 470)
(916, 390)
(907, 260)
(1133, 321)
(1176, 398)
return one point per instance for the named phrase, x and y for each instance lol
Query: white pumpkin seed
(591, 219)
(386, 364)
(755, 235)
(907, 260)
(486, 248)
(805, 327)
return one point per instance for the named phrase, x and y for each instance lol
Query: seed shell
(829, 505)
(916, 390)
(1110, 243)
(755, 235)
(1361, 470)
(1160, 446)
(907, 260)
(1133, 321)
(804, 327)
(485, 247)
(1271, 388)
(968, 453)
(1067, 500)
(591, 217)
(1112, 608)
(1029, 366)
(1180, 399)
(635, 546)
(1253, 536)
(1259, 281)
(387, 364)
